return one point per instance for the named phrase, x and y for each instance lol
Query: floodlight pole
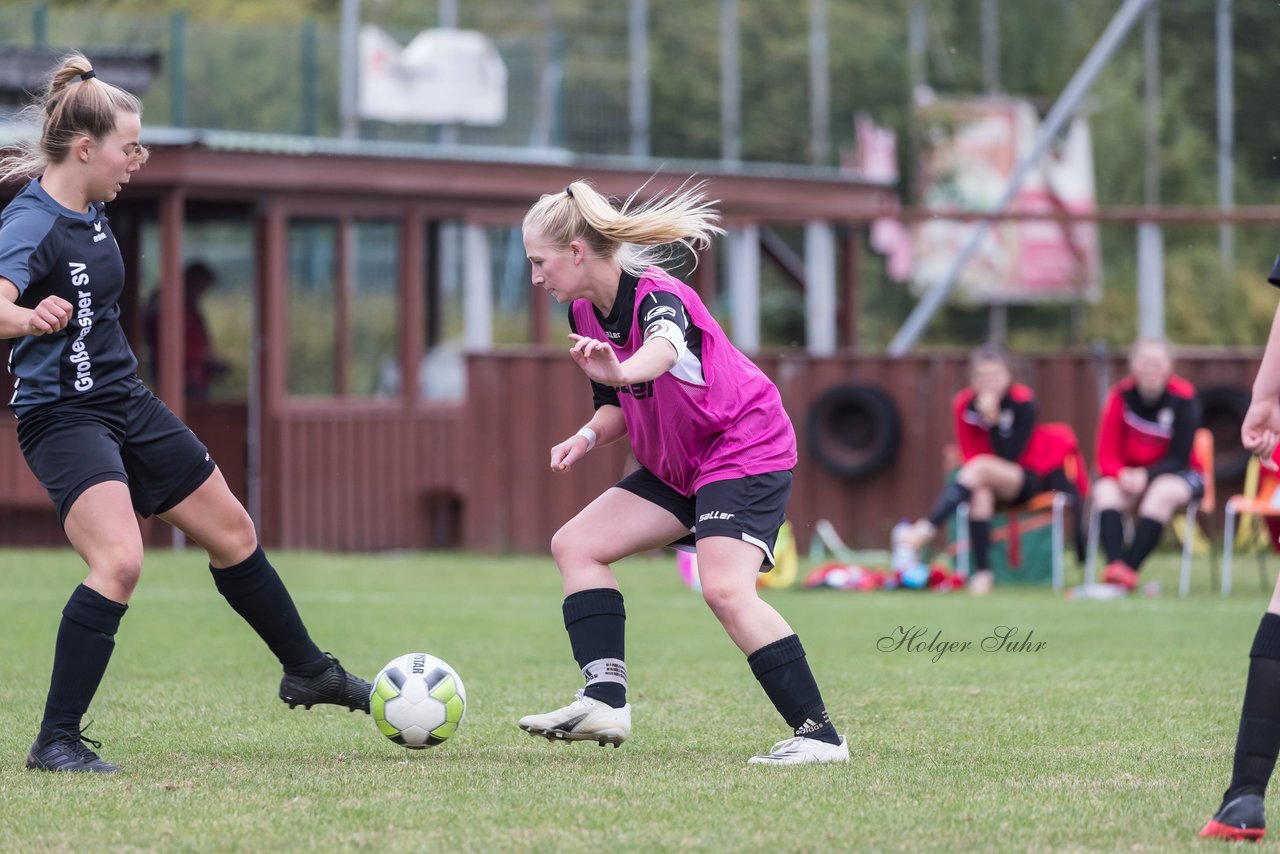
(1150, 296)
(819, 84)
(1226, 135)
(447, 14)
(730, 84)
(638, 92)
(1099, 55)
(991, 46)
(350, 52)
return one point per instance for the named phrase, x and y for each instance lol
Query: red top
(1014, 436)
(1156, 436)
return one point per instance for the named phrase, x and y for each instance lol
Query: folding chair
(1202, 450)
(1055, 501)
(1258, 509)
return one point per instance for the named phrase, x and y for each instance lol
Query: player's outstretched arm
(51, 315)
(607, 425)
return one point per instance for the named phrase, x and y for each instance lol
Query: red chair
(1259, 503)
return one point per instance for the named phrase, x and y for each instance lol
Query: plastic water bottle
(902, 555)
(915, 575)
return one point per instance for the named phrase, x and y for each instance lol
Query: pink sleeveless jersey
(690, 435)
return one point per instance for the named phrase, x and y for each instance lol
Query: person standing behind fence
(98, 440)
(715, 446)
(201, 366)
(1006, 459)
(1145, 436)
(1241, 815)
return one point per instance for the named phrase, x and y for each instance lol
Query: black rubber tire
(854, 430)
(1222, 411)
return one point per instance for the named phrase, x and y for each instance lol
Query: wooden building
(346, 471)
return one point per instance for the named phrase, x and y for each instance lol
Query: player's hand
(568, 452)
(597, 360)
(1132, 480)
(51, 315)
(1260, 430)
(987, 404)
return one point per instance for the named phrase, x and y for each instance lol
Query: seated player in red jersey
(1007, 458)
(1145, 437)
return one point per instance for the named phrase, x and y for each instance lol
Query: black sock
(1111, 533)
(952, 497)
(784, 674)
(1258, 740)
(596, 622)
(86, 638)
(1145, 537)
(257, 594)
(980, 544)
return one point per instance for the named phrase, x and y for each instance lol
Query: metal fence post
(310, 68)
(40, 25)
(178, 68)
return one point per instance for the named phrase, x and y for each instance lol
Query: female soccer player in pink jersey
(715, 446)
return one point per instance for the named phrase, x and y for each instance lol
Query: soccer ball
(418, 701)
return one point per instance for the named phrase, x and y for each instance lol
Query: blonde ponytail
(73, 103)
(635, 235)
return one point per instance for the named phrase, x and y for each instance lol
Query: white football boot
(585, 719)
(800, 750)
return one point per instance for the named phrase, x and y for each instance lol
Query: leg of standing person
(738, 522)
(214, 519)
(1241, 815)
(617, 524)
(103, 529)
(172, 476)
(728, 569)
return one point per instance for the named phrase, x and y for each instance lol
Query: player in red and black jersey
(1006, 458)
(1145, 437)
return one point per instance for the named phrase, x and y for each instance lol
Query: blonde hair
(73, 103)
(636, 235)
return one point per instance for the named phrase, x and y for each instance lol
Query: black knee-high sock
(257, 594)
(596, 622)
(86, 638)
(1258, 740)
(1145, 536)
(980, 543)
(1111, 533)
(952, 497)
(784, 674)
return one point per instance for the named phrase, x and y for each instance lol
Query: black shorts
(133, 438)
(1032, 485)
(750, 508)
(1195, 480)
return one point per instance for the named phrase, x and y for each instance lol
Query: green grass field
(1117, 735)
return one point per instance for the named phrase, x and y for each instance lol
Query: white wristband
(588, 434)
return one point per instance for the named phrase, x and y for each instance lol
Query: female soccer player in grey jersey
(102, 444)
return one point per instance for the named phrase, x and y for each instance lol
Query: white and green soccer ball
(418, 701)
